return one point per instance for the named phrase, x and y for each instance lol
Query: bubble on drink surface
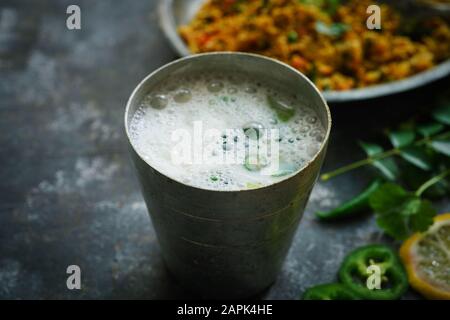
(232, 90)
(182, 95)
(250, 89)
(317, 133)
(304, 129)
(253, 130)
(256, 162)
(215, 86)
(311, 119)
(159, 101)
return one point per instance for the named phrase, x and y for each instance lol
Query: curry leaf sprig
(405, 145)
(424, 155)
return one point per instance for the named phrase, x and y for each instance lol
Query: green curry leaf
(387, 167)
(441, 146)
(402, 138)
(442, 114)
(430, 129)
(418, 157)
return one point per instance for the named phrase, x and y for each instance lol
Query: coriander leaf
(422, 219)
(441, 146)
(387, 197)
(393, 225)
(442, 114)
(430, 129)
(417, 157)
(400, 213)
(387, 166)
(410, 207)
(388, 202)
(402, 138)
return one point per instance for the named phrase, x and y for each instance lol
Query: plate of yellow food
(327, 40)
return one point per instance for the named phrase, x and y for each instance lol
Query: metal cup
(228, 244)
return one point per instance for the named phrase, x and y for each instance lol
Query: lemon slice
(426, 257)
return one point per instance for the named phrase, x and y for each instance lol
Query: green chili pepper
(355, 273)
(357, 204)
(329, 291)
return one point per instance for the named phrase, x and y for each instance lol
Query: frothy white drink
(224, 133)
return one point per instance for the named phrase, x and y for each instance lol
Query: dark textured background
(68, 194)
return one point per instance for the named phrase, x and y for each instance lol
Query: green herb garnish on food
(332, 30)
(329, 6)
(332, 6)
(317, 3)
(292, 37)
(283, 111)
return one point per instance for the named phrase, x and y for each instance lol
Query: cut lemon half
(426, 257)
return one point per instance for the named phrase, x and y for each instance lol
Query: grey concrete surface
(68, 194)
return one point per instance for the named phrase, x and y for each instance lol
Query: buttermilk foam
(224, 133)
